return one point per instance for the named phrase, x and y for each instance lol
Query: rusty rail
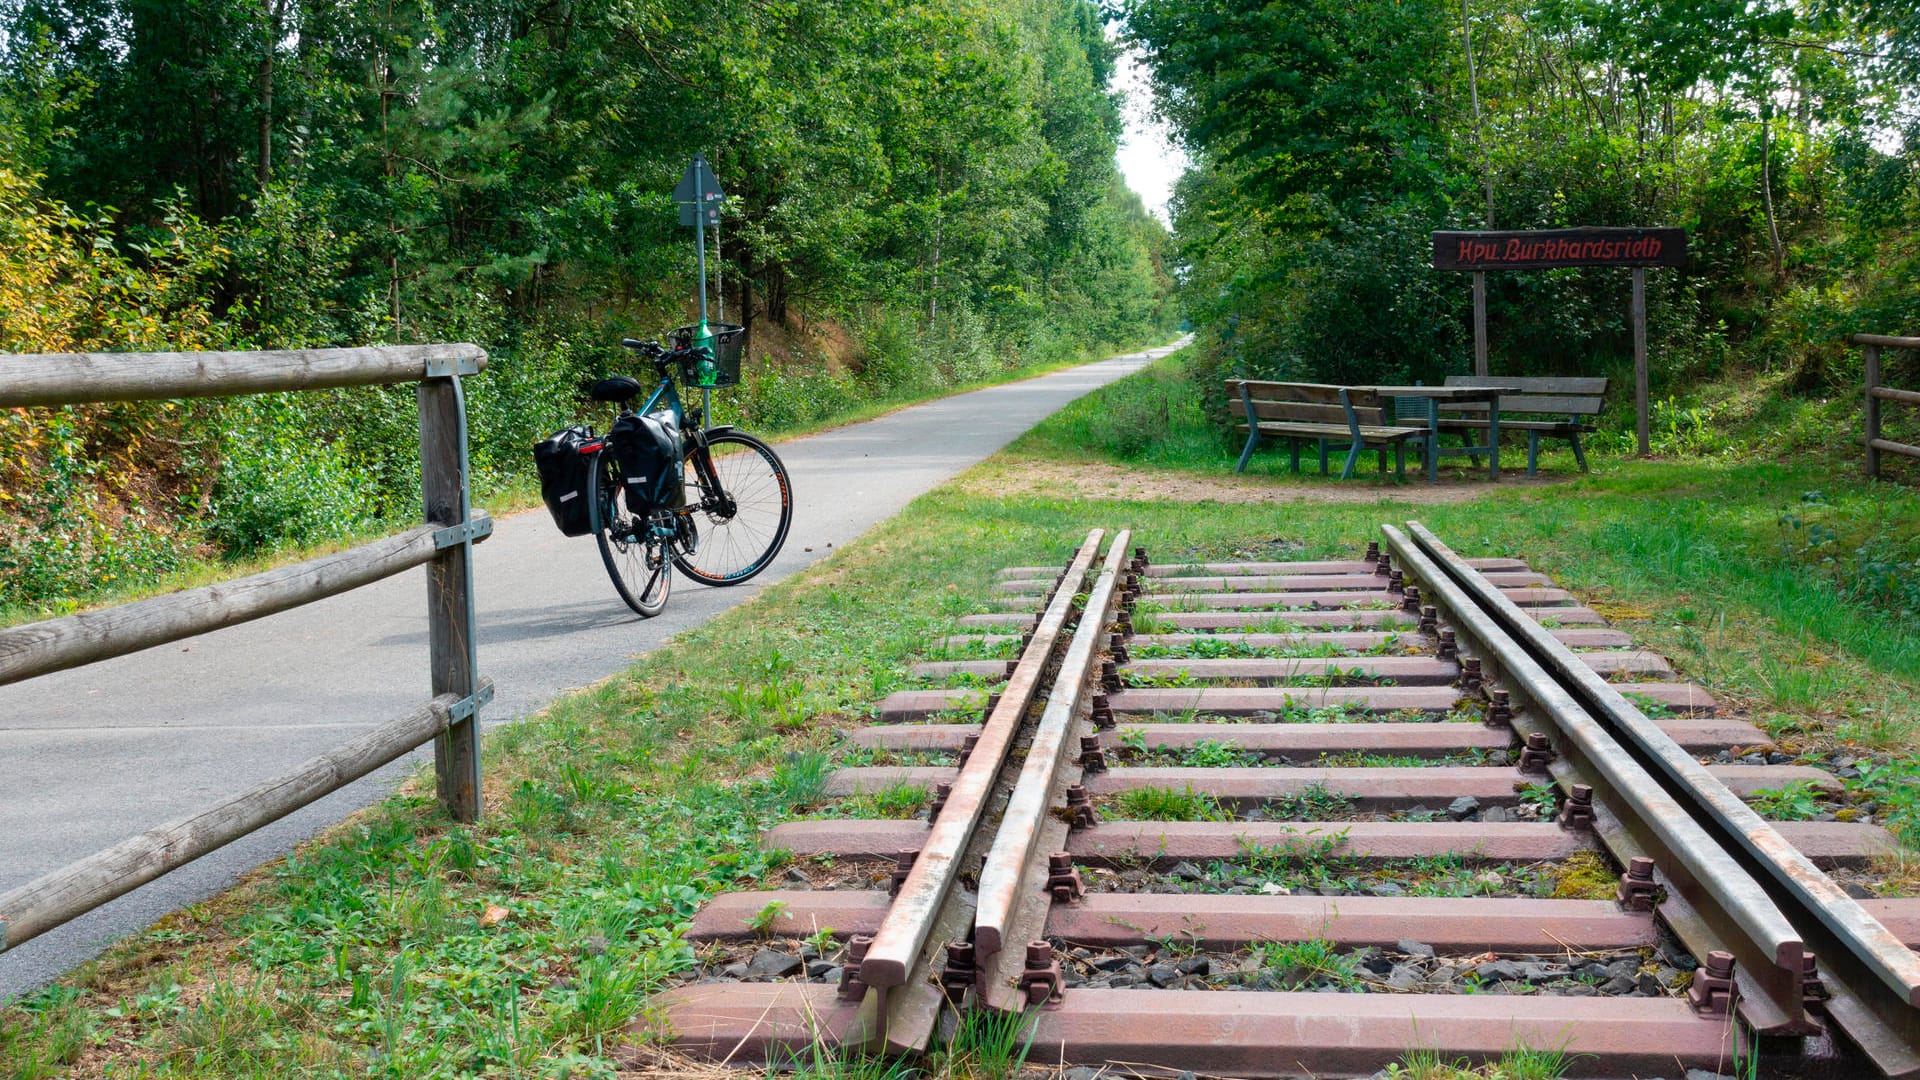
(1740, 917)
(900, 945)
(1873, 978)
(1011, 883)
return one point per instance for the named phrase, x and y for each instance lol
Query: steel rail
(1878, 1001)
(1765, 944)
(900, 943)
(1010, 858)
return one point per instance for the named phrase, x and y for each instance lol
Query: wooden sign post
(1540, 249)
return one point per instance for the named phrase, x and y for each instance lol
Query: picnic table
(1423, 404)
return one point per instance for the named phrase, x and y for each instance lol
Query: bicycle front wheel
(739, 505)
(636, 559)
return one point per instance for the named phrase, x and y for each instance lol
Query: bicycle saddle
(618, 389)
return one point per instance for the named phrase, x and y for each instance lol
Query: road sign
(699, 194)
(698, 184)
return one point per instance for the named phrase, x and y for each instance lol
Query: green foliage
(1314, 963)
(920, 198)
(1797, 801)
(1167, 804)
(1330, 140)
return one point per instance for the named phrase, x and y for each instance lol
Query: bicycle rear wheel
(636, 559)
(739, 505)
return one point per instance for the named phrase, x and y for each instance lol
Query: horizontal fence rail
(1870, 346)
(443, 544)
(77, 888)
(80, 378)
(58, 644)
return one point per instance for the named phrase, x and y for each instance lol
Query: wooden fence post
(450, 615)
(1872, 353)
(1480, 322)
(1639, 314)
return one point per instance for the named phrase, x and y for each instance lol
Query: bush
(280, 483)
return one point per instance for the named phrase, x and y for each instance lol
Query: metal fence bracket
(446, 367)
(454, 535)
(467, 706)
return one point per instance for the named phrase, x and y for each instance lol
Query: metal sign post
(699, 196)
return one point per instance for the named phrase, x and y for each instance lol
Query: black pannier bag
(650, 455)
(563, 478)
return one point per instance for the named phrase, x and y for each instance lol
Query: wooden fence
(1870, 346)
(444, 544)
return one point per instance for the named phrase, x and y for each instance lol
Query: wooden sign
(1542, 248)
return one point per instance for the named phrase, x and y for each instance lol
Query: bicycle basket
(729, 344)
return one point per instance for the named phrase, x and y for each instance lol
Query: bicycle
(732, 515)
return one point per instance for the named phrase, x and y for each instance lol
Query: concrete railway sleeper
(1291, 819)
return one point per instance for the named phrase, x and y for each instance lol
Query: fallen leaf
(493, 914)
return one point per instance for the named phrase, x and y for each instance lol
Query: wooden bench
(1298, 412)
(1578, 400)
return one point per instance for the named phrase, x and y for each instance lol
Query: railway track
(1290, 819)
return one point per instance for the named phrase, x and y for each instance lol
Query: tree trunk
(1473, 88)
(1766, 189)
(275, 12)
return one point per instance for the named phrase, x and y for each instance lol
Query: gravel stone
(772, 963)
(1414, 948)
(1163, 974)
(1186, 871)
(1857, 890)
(1463, 807)
(1494, 814)
(818, 969)
(734, 971)
(1195, 965)
(1500, 971)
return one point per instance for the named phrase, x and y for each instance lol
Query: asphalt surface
(98, 754)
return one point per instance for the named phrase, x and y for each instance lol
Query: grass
(1314, 963)
(1519, 1063)
(400, 944)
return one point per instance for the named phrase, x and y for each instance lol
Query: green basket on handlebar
(729, 343)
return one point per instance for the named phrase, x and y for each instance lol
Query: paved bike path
(98, 754)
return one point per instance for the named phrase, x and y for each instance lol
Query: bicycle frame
(695, 434)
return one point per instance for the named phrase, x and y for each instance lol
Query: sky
(1148, 158)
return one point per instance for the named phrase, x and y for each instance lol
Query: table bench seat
(1573, 401)
(1350, 418)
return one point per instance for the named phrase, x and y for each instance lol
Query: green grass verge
(399, 944)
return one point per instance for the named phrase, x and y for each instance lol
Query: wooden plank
(74, 378)
(1888, 393)
(57, 644)
(54, 898)
(451, 657)
(1886, 341)
(1556, 427)
(1558, 405)
(1286, 391)
(1891, 447)
(1536, 384)
(1333, 431)
(1298, 411)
